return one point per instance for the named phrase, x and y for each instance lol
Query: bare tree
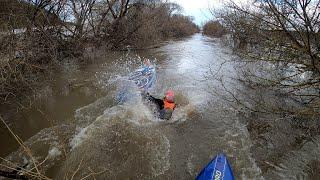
(281, 37)
(38, 34)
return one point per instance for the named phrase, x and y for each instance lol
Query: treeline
(36, 34)
(214, 29)
(279, 44)
(15, 14)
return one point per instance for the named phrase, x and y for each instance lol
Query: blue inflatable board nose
(144, 78)
(218, 169)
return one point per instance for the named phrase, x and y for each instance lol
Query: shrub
(214, 28)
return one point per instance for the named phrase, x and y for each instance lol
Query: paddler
(165, 106)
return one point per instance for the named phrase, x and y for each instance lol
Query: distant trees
(279, 43)
(180, 26)
(35, 34)
(108, 21)
(214, 28)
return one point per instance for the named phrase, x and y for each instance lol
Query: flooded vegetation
(42, 34)
(126, 140)
(251, 91)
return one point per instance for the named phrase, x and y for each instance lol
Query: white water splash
(78, 138)
(54, 152)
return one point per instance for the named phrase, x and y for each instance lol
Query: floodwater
(76, 129)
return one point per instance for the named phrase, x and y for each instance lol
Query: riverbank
(41, 36)
(283, 130)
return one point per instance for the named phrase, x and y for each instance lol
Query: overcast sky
(197, 8)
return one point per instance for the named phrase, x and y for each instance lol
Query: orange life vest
(169, 105)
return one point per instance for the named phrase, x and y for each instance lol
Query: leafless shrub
(279, 46)
(148, 22)
(37, 34)
(34, 172)
(214, 28)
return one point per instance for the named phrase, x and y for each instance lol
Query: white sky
(197, 8)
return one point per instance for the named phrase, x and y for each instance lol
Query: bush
(40, 34)
(279, 54)
(214, 28)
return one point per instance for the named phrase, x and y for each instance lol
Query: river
(76, 126)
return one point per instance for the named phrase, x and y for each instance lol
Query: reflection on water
(106, 140)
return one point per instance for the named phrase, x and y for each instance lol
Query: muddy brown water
(82, 127)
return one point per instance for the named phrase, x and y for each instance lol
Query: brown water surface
(82, 125)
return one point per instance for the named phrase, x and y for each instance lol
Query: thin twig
(76, 171)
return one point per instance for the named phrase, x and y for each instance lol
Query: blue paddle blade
(218, 169)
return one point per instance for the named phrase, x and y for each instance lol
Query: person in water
(165, 106)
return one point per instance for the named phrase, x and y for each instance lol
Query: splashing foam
(134, 111)
(124, 142)
(45, 145)
(117, 70)
(78, 138)
(54, 152)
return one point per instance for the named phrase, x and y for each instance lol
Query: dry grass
(33, 172)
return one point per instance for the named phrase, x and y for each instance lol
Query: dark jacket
(163, 113)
